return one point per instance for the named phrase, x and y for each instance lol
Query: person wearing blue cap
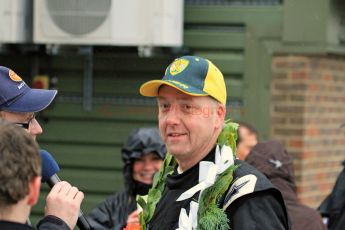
(19, 102)
(201, 185)
(18, 105)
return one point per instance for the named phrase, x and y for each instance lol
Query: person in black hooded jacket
(333, 207)
(142, 154)
(276, 163)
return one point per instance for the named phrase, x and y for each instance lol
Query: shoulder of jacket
(247, 180)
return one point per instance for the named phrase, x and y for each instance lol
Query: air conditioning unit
(109, 22)
(16, 21)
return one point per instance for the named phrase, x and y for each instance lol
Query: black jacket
(275, 162)
(333, 207)
(47, 223)
(8, 225)
(113, 212)
(261, 208)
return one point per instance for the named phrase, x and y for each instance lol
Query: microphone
(49, 170)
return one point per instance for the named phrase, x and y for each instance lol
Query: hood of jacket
(139, 143)
(276, 163)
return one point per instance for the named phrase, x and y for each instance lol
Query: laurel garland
(210, 216)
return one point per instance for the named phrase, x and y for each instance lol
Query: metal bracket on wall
(87, 52)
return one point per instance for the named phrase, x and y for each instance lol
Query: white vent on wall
(16, 21)
(109, 22)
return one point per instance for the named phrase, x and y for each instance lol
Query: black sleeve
(260, 210)
(112, 213)
(101, 217)
(52, 223)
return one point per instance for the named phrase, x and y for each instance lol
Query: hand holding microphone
(63, 200)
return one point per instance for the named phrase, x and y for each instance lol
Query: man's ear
(221, 112)
(34, 190)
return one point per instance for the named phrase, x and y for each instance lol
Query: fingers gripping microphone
(49, 170)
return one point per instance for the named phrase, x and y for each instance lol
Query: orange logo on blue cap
(14, 76)
(178, 66)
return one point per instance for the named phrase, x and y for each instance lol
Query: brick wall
(308, 106)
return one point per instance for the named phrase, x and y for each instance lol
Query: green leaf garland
(210, 216)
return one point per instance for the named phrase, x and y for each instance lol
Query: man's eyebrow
(30, 116)
(185, 99)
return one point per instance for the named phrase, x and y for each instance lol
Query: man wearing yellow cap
(201, 185)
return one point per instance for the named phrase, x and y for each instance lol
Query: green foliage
(215, 219)
(228, 136)
(155, 192)
(209, 214)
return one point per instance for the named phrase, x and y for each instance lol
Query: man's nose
(35, 128)
(173, 116)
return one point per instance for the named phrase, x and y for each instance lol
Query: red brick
(314, 87)
(296, 143)
(312, 132)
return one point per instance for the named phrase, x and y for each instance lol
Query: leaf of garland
(155, 192)
(209, 214)
(216, 215)
(228, 136)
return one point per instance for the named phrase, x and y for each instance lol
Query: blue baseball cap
(17, 96)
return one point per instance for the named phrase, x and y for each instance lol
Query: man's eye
(164, 106)
(186, 107)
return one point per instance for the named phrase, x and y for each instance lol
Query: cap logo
(178, 66)
(14, 76)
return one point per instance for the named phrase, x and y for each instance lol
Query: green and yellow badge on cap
(178, 66)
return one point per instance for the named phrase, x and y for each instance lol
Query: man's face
(33, 127)
(189, 125)
(145, 167)
(248, 141)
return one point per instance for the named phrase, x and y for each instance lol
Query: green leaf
(155, 192)
(142, 221)
(210, 216)
(228, 136)
(141, 201)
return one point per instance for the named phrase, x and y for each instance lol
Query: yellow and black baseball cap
(192, 75)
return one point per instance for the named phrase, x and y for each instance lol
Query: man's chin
(177, 152)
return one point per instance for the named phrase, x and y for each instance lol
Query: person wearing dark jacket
(201, 185)
(20, 179)
(18, 105)
(275, 162)
(142, 154)
(333, 207)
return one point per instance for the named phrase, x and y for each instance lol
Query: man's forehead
(170, 94)
(177, 98)
(166, 92)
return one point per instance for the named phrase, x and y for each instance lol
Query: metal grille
(78, 17)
